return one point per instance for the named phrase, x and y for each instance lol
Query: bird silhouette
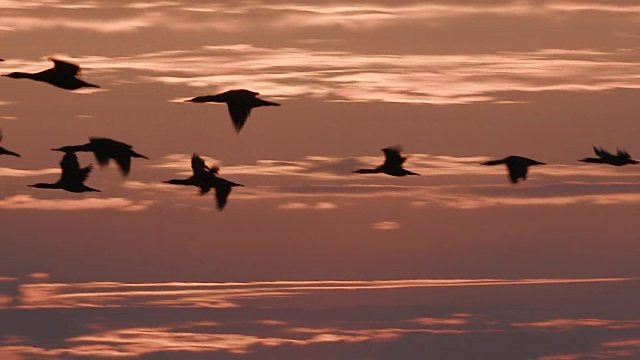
(4, 151)
(206, 178)
(106, 149)
(62, 74)
(239, 103)
(604, 157)
(72, 178)
(517, 166)
(392, 164)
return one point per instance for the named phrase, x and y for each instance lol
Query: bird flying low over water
(604, 157)
(517, 166)
(62, 74)
(72, 178)
(106, 149)
(239, 103)
(205, 178)
(392, 164)
(4, 151)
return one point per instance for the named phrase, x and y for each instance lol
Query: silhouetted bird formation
(239, 103)
(4, 151)
(517, 166)
(392, 164)
(205, 178)
(62, 74)
(604, 157)
(106, 149)
(72, 178)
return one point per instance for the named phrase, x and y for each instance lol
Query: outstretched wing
(65, 67)
(222, 193)
(239, 114)
(198, 165)
(109, 143)
(623, 154)
(71, 171)
(602, 152)
(124, 162)
(517, 171)
(392, 156)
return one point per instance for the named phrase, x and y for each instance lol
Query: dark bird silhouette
(392, 164)
(62, 74)
(106, 149)
(604, 157)
(72, 178)
(206, 178)
(239, 103)
(4, 151)
(517, 166)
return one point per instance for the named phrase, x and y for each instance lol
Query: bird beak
(56, 149)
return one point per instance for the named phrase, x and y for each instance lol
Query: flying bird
(239, 104)
(62, 74)
(206, 178)
(517, 166)
(72, 178)
(392, 164)
(604, 157)
(106, 149)
(4, 151)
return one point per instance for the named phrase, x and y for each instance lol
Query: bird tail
(267, 103)
(135, 154)
(12, 153)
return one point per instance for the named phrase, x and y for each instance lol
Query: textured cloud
(308, 206)
(136, 342)
(280, 73)
(28, 202)
(481, 186)
(386, 225)
(9, 172)
(227, 295)
(563, 324)
(100, 16)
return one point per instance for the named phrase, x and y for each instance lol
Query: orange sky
(454, 82)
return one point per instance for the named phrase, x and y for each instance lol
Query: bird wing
(198, 165)
(124, 162)
(71, 171)
(102, 157)
(601, 152)
(516, 172)
(239, 114)
(392, 156)
(65, 67)
(222, 193)
(109, 143)
(623, 154)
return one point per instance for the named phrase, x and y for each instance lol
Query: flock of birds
(239, 103)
